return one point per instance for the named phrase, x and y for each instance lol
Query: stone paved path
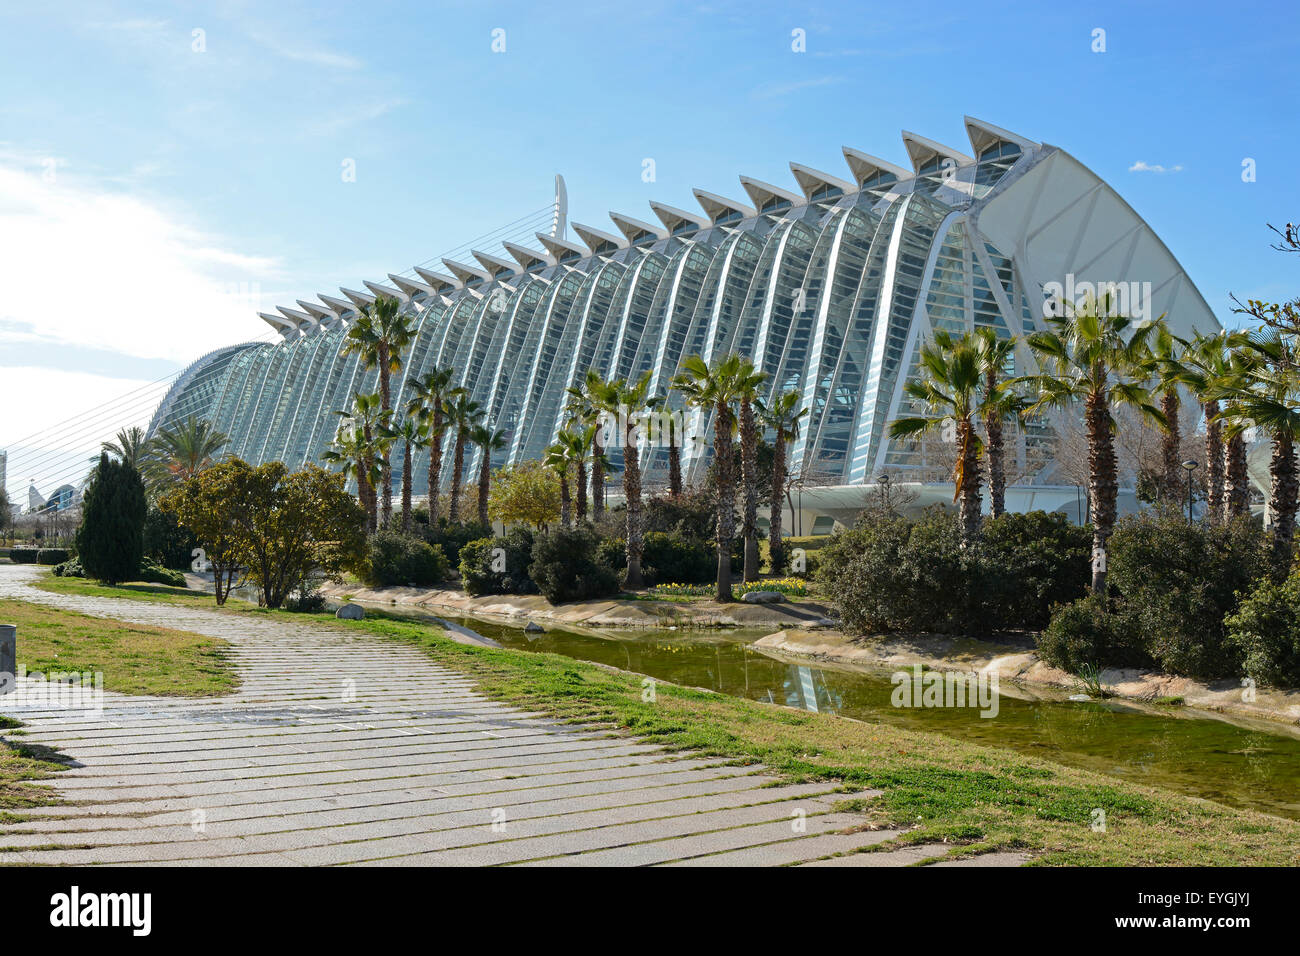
(415, 768)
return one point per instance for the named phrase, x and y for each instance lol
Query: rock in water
(350, 612)
(532, 627)
(763, 597)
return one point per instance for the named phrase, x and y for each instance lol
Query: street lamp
(1190, 466)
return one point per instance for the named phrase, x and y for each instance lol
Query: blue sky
(152, 195)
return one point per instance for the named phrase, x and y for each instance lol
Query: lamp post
(1189, 466)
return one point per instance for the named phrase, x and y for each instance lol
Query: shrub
(23, 555)
(1182, 581)
(51, 556)
(1265, 631)
(156, 574)
(1037, 560)
(397, 560)
(69, 569)
(498, 565)
(1093, 632)
(891, 574)
(110, 541)
(166, 542)
(452, 537)
(666, 556)
(565, 567)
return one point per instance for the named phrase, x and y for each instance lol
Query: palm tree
(747, 382)
(998, 402)
(367, 419)
(1209, 363)
(950, 394)
(355, 458)
(488, 441)
(559, 458)
(783, 416)
(1265, 395)
(413, 434)
(627, 403)
(131, 447)
(182, 451)
(715, 389)
(431, 393)
(583, 406)
(463, 415)
(1167, 372)
(380, 334)
(1093, 355)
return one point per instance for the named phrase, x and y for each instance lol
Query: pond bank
(1015, 660)
(518, 609)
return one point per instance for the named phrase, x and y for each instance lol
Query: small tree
(110, 541)
(206, 504)
(526, 493)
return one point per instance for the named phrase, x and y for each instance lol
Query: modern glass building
(830, 287)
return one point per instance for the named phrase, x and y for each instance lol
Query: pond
(1186, 751)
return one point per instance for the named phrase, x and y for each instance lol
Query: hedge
(51, 556)
(23, 555)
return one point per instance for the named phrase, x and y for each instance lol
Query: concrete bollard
(8, 657)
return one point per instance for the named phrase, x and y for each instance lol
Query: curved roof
(864, 166)
(672, 217)
(810, 180)
(921, 150)
(716, 206)
(761, 193)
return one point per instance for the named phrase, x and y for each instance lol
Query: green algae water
(1201, 756)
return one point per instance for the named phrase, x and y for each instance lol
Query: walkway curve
(349, 749)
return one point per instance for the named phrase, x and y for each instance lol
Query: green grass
(937, 788)
(134, 658)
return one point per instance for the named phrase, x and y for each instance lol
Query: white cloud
(81, 264)
(1141, 167)
(316, 57)
(772, 90)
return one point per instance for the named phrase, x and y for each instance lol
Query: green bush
(891, 574)
(156, 574)
(1182, 581)
(23, 555)
(452, 537)
(1265, 631)
(1038, 560)
(69, 569)
(565, 566)
(51, 556)
(1094, 632)
(398, 560)
(498, 565)
(166, 542)
(665, 557)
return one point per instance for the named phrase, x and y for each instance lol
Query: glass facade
(831, 296)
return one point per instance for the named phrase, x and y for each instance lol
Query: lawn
(976, 798)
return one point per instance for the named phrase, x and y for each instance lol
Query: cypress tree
(110, 541)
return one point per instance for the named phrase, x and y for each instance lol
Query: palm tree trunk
(674, 466)
(581, 487)
(997, 451)
(1170, 443)
(775, 546)
(1103, 484)
(565, 511)
(969, 480)
(484, 485)
(1282, 500)
(1214, 501)
(385, 464)
(457, 466)
(632, 495)
(597, 479)
(749, 480)
(1236, 488)
(726, 504)
(406, 489)
(435, 464)
(363, 481)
